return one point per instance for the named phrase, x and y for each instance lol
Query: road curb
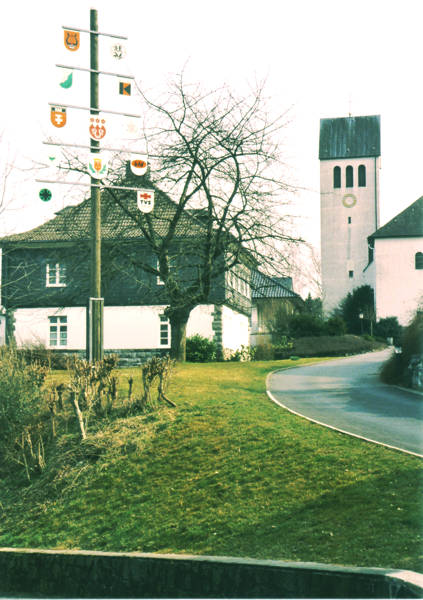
(360, 437)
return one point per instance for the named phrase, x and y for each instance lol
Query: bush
(392, 370)
(39, 354)
(336, 326)
(244, 353)
(200, 349)
(264, 352)
(302, 325)
(359, 301)
(412, 338)
(389, 328)
(21, 408)
(396, 369)
(333, 346)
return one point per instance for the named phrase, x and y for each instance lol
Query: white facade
(32, 326)
(235, 329)
(349, 214)
(200, 321)
(398, 284)
(125, 327)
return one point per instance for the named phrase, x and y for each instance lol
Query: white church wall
(348, 217)
(399, 285)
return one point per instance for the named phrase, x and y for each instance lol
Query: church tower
(349, 153)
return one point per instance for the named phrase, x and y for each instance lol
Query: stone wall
(78, 574)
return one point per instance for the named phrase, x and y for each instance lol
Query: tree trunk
(178, 319)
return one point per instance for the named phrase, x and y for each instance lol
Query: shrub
(412, 338)
(336, 326)
(264, 352)
(392, 370)
(21, 408)
(200, 349)
(389, 328)
(38, 353)
(302, 325)
(333, 346)
(396, 369)
(244, 353)
(359, 301)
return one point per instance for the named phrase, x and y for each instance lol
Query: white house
(395, 268)
(45, 277)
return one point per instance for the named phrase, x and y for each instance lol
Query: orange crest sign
(71, 40)
(58, 116)
(97, 128)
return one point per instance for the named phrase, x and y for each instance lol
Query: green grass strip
(225, 473)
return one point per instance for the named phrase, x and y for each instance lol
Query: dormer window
(361, 176)
(55, 274)
(337, 177)
(349, 174)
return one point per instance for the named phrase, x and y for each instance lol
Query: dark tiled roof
(349, 137)
(409, 223)
(263, 286)
(73, 223)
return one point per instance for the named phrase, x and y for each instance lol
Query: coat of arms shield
(138, 164)
(97, 128)
(71, 39)
(58, 116)
(97, 166)
(145, 200)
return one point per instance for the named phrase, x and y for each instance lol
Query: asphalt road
(346, 394)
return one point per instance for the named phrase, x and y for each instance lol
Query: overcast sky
(321, 58)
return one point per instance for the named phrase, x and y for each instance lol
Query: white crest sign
(138, 164)
(145, 200)
(118, 51)
(97, 166)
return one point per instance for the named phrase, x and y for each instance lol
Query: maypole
(97, 169)
(95, 302)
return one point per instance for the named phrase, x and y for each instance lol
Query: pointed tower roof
(408, 223)
(349, 137)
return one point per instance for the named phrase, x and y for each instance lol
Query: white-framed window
(159, 280)
(58, 332)
(164, 330)
(55, 274)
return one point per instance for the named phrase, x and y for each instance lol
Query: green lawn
(227, 472)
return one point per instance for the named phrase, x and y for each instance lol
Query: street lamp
(361, 317)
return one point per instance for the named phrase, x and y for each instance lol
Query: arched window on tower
(337, 177)
(419, 260)
(349, 176)
(362, 176)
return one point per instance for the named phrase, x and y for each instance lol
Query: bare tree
(221, 201)
(217, 157)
